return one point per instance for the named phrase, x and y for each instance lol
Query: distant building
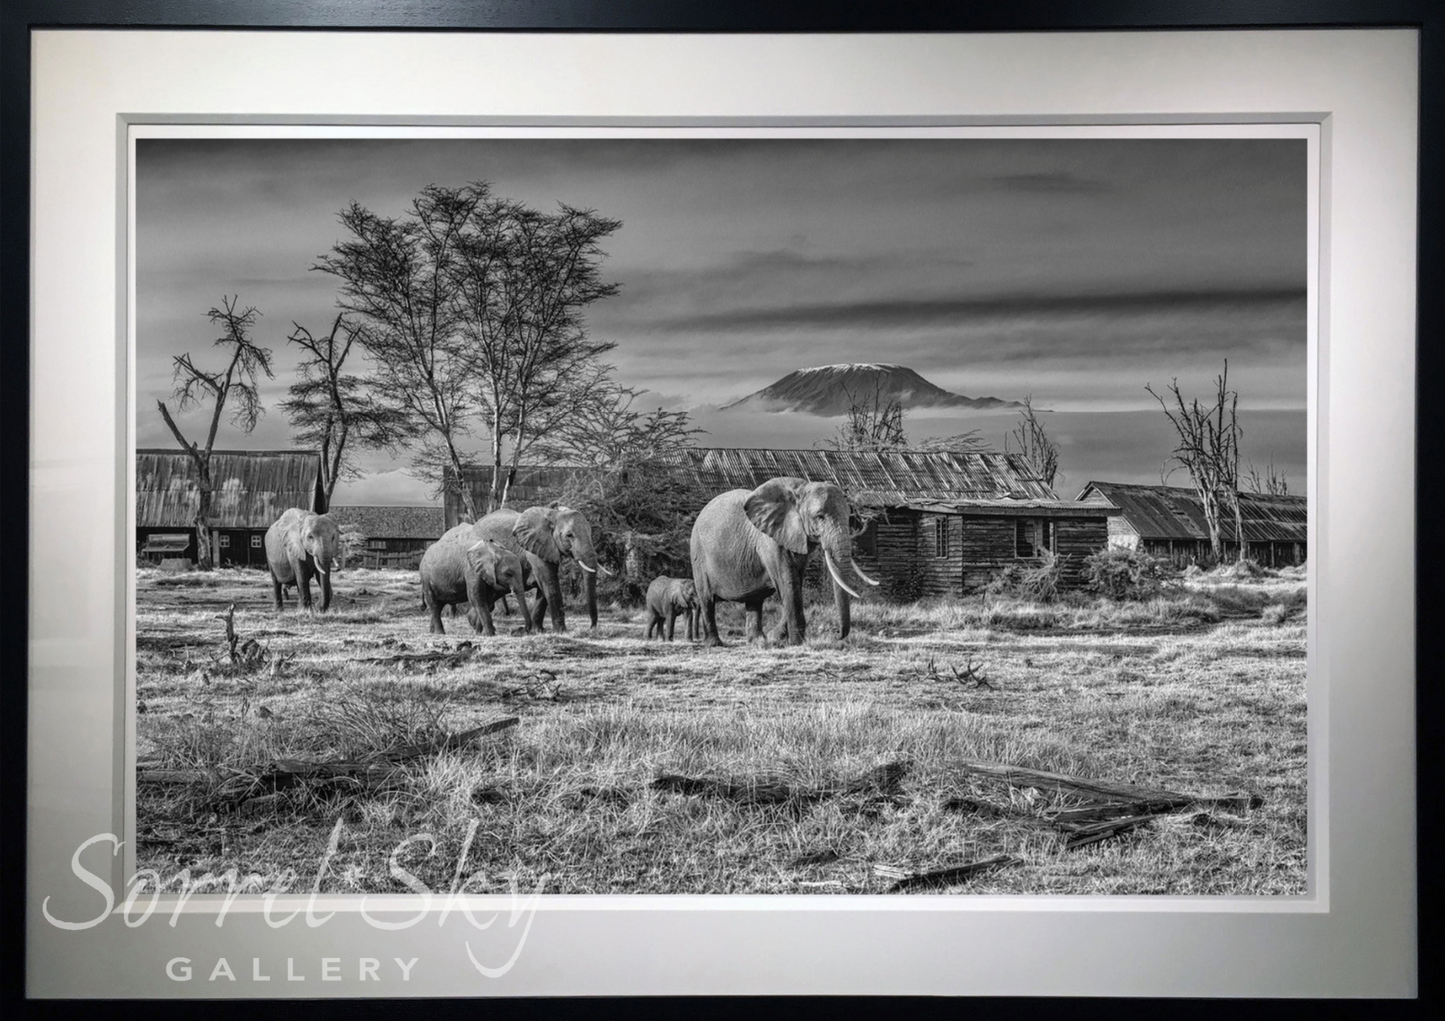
(937, 523)
(395, 536)
(1168, 521)
(250, 490)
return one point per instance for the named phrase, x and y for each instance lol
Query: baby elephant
(666, 598)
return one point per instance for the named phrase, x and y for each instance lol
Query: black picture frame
(735, 16)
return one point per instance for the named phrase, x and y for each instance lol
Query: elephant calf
(462, 567)
(301, 545)
(666, 598)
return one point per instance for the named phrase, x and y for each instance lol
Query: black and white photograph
(724, 512)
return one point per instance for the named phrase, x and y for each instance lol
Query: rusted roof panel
(391, 522)
(879, 479)
(250, 488)
(1173, 512)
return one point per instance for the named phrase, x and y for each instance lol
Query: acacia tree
(1208, 449)
(1032, 443)
(398, 278)
(233, 386)
(524, 280)
(627, 480)
(331, 409)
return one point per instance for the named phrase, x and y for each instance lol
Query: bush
(1125, 573)
(1038, 581)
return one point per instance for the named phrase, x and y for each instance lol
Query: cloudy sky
(1073, 270)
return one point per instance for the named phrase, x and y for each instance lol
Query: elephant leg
(671, 622)
(652, 623)
(754, 624)
(302, 571)
(435, 609)
(707, 603)
(539, 610)
(790, 594)
(552, 589)
(483, 608)
(694, 625)
(275, 588)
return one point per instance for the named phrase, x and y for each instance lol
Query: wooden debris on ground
(1113, 808)
(771, 790)
(952, 875)
(242, 789)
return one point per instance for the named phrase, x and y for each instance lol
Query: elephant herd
(746, 545)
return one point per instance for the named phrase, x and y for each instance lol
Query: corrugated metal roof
(1023, 508)
(377, 522)
(873, 479)
(250, 488)
(1173, 512)
(870, 479)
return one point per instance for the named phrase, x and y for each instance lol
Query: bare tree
(331, 410)
(524, 280)
(1031, 441)
(1272, 483)
(871, 423)
(874, 424)
(1208, 449)
(235, 385)
(398, 277)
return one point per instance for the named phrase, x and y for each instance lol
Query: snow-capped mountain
(830, 390)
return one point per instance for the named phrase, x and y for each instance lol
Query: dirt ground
(1201, 691)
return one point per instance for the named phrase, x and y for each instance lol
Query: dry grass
(1201, 689)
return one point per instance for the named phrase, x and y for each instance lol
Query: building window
(376, 544)
(940, 537)
(225, 540)
(1033, 537)
(256, 541)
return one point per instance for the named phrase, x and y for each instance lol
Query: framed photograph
(762, 513)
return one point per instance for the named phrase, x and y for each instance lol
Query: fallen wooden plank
(1101, 790)
(953, 874)
(1091, 833)
(771, 790)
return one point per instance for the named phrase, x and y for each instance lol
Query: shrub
(1037, 581)
(1125, 573)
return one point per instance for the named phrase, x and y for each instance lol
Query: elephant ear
(534, 533)
(291, 534)
(773, 510)
(483, 559)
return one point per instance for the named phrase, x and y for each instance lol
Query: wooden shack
(934, 523)
(394, 537)
(250, 490)
(1168, 521)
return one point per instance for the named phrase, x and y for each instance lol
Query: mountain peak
(830, 390)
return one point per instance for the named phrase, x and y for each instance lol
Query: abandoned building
(392, 537)
(1168, 521)
(250, 490)
(928, 523)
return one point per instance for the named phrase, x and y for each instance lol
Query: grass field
(1201, 690)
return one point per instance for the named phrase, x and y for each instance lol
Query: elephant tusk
(838, 578)
(476, 546)
(604, 570)
(860, 574)
(589, 570)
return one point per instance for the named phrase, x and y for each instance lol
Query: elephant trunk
(838, 556)
(591, 584)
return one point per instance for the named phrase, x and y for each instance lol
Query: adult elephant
(749, 544)
(301, 545)
(543, 536)
(461, 568)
